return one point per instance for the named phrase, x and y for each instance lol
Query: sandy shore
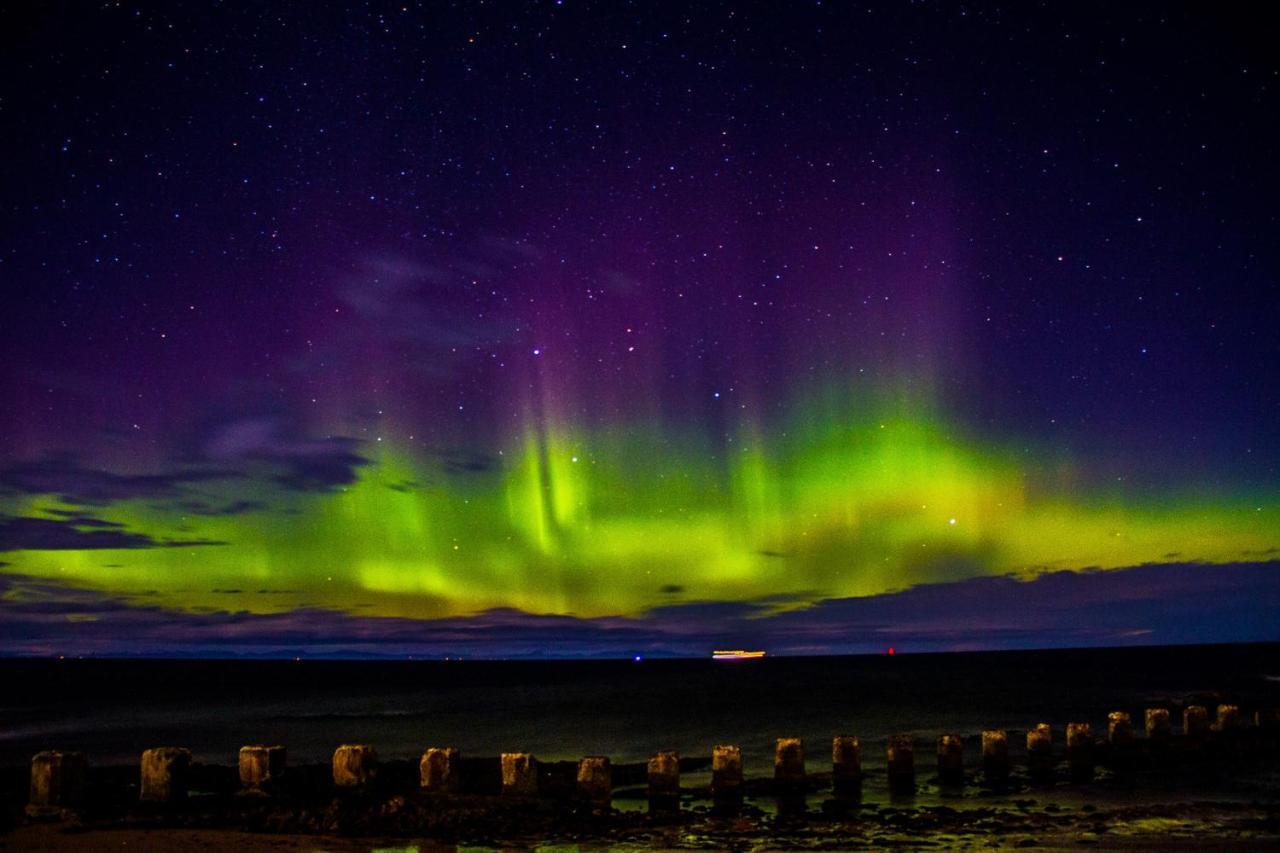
(1190, 826)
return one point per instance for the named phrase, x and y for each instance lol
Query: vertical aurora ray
(844, 495)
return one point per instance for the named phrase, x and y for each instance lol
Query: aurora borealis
(571, 329)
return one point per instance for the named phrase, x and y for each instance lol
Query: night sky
(564, 329)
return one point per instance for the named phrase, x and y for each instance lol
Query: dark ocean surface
(562, 710)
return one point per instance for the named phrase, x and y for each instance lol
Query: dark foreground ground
(1183, 826)
(1219, 795)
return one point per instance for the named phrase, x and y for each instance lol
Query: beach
(1135, 787)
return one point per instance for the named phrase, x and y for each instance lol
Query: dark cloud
(62, 475)
(466, 462)
(239, 507)
(77, 533)
(74, 517)
(296, 461)
(1142, 605)
(319, 466)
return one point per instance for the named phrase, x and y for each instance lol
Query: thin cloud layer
(1150, 604)
(80, 533)
(63, 476)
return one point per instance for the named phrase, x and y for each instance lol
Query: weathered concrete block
(900, 762)
(1119, 729)
(1040, 750)
(846, 760)
(788, 762)
(260, 766)
(951, 758)
(164, 774)
(1195, 721)
(1158, 725)
(440, 770)
(1228, 718)
(519, 774)
(664, 780)
(1080, 750)
(595, 780)
(1079, 740)
(726, 774)
(354, 764)
(57, 780)
(1040, 741)
(995, 754)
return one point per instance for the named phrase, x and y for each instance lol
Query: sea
(626, 709)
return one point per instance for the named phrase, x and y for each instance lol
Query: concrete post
(900, 762)
(1267, 723)
(595, 781)
(440, 770)
(788, 763)
(57, 781)
(519, 774)
(1195, 721)
(164, 775)
(354, 764)
(951, 759)
(664, 781)
(995, 755)
(1080, 750)
(1158, 726)
(1040, 750)
(726, 776)
(261, 766)
(1119, 729)
(846, 764)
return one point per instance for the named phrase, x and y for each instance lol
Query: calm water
(562, 710)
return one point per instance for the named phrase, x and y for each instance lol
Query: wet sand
(1181, 826)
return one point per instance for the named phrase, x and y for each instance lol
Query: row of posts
(57, 778)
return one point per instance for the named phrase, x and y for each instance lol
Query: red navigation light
(892, 651)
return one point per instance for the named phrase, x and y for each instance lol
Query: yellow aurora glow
(626, 519)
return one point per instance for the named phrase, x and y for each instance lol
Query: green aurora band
(846, 498)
